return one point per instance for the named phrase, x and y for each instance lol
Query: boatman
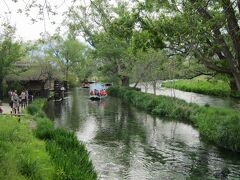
(62, 91)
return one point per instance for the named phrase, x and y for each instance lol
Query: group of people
(17, 101)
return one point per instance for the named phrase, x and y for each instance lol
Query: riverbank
(22, 155)
(219, 125)
(43, 152)
(202, 86)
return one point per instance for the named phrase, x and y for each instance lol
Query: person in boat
(103, 92)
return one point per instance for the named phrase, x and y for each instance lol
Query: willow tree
(108, 28)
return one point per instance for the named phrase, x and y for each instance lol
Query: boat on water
(86, 84)
(107, 85)
(97, 91)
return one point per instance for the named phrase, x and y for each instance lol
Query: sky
(26, 29)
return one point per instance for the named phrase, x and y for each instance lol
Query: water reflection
(125, 143)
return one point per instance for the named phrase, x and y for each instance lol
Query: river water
(191, 97)
(126, 143)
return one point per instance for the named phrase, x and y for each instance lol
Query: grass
(22, 155)
(201, 85)
(70, 158)
(41, 153)
(219, 125)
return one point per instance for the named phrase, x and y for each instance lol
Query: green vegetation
(41, 153)
(203, 86)
(11, 51)
(22, 156)
(219, 125)
(70, 158)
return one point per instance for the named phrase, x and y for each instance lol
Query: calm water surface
(125, 143)
(191, 97)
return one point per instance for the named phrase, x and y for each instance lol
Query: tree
(207, 30)
(68, 54)
(11, 51)
(108, 30)
(72, 53)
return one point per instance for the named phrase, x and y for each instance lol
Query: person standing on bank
(10, 94)
(26, 94)
(15, 99)
(23, 99)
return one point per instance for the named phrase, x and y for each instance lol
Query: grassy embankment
(42, 153)
(202, 85)
(219, 125)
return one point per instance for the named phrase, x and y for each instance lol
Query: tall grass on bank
(70, 158)
(22, 156)
(219, 125)
(203, 86)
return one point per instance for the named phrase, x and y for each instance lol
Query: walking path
(6, 108)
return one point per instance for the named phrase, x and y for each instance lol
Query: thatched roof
(35, 73)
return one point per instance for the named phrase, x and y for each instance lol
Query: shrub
(28, 167)
(44, 129)
(32, 109)
(41, 114)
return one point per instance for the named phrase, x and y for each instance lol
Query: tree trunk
(233, 84)
(125, 81)
(154, 86)
(1, 88)
(238, 3)
(236, 81)
(233, 30)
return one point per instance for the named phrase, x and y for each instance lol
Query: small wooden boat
(97, 91)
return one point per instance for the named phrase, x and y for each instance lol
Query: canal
(191, 97)
(126, 143)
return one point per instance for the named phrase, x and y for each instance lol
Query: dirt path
(6, 108)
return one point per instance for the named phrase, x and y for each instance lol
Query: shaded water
(125, 143)
(191, 97)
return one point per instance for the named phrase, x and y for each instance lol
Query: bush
(32, 109)
(44, 129)
(28, 167)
